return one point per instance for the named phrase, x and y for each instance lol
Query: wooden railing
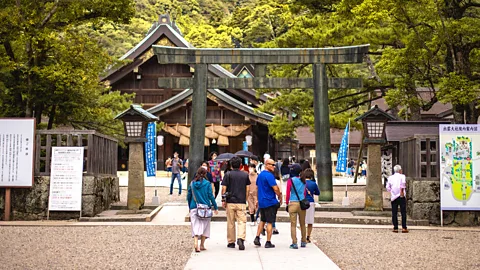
(100, 151)
(419, 156)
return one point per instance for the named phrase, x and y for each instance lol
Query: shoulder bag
(203, 211)
(304, 204)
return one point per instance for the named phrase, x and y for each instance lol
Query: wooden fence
(419, 156)
(100, 151)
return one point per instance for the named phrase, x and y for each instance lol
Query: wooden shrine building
(231, 113)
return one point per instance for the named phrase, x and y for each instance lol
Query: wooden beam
(259, 83)
(334, 55)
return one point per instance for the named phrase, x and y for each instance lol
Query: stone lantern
(135, 121)
(374, 123)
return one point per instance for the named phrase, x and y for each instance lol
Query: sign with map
(460, 167)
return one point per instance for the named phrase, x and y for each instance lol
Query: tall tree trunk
(51, 116)
(38, 113)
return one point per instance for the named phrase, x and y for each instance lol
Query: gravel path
(113, 247)
(419, 249)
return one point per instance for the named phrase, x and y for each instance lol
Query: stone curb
(119, 218)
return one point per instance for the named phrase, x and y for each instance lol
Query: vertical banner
(245, 148)
(343, 152)
(459, 167)
(16, 152)
(66, 179)
(151, 149)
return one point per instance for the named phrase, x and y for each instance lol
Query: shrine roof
(216, 95)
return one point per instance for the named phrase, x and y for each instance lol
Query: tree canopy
(50, 67)
(52, 53)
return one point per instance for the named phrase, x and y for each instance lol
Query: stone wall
(98, 193)
(424, 203)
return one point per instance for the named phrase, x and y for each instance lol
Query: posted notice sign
(460, 167)
(16, 152)
(66, 179)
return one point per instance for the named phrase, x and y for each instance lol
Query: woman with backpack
(200, 193)
(312, 190)
(295, 194)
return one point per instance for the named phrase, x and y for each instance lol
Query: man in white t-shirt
(397, 187)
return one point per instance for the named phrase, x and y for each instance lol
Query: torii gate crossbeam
(318, 57)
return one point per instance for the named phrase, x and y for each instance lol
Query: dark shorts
(269, 214)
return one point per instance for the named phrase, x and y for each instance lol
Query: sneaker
(308, 239)
(275, 231)
(404, 231)
(256, 242)
(294, 246)
(269, 244)
(395, 230)
(180, 194)
(231, 245)
(303, 244)
(240, 244)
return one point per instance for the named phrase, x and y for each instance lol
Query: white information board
(460, 167)
(66, 179)
(16, 152)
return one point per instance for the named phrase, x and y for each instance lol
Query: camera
(226, 195)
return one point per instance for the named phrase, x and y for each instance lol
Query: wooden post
(199, 115)
(323, 148)
(360, 156)
(7, 204)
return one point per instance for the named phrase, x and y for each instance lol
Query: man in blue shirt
(267, 191)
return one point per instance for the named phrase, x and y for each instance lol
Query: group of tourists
(362, 168)
(258, 186)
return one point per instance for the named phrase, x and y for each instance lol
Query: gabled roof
(241, 68)
(438, 109)
(136, 109)
(164, 28)
(377, 113)
(217, 96)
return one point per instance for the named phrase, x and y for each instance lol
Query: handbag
(203, 210)
(304, 204)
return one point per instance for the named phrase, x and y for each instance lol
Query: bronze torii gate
(318, 57)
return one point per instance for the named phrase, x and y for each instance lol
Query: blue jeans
(176, 175)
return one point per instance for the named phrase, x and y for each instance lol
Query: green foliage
(458, 90)
(51, 67)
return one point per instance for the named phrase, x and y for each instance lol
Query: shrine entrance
(317, 57)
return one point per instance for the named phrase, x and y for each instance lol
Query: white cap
(266, 156)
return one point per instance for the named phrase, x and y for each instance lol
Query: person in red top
(214, 169)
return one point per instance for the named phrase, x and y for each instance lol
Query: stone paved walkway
(257, 258)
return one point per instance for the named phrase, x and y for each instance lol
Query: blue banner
(151, 149)
(343, 153)
(245, 148)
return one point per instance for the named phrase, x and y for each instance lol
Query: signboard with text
(16, 152)
(459, 167)
(66, 179)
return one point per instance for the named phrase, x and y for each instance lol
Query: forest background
(52, 53)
